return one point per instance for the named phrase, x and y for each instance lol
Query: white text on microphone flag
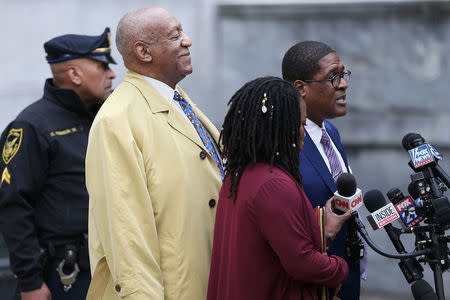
(345, 203)
(383, 216)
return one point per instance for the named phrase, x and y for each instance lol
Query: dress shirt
(315, 132)
(167, 93)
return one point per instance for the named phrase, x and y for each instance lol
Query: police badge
(12, 144)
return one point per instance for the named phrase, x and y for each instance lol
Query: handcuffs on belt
(70, 258)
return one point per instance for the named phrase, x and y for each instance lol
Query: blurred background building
(398, 52)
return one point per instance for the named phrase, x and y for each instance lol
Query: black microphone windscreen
(421, 290)
(405, 141)
(374, 200)
(413, 190)
(346, 184)
(412, 140)
(394, 195)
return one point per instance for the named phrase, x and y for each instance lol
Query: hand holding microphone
(333, 221)
(348, 198)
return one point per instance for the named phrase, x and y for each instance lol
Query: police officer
(43, 198)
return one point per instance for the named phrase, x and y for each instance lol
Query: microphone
(415, 194)
(423, 155)
(418, 150)
(421, 290)
(405, 207)
(347, 196)
(384, 213)
(423, 162)
(416, 190)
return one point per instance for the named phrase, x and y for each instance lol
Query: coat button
(202, 154)
(212, 203)
(117, 288)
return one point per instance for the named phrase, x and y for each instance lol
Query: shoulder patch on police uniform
(12, 144)
(6, 176)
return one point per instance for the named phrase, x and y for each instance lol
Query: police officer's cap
(70, 46)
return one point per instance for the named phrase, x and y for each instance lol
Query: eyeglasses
(336, 79)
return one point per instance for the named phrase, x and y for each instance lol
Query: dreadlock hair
(249, 135)
(300, 61)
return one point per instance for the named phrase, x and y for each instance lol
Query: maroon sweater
(267, 244)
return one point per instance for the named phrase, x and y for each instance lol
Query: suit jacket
(153, 194)
(319, 186)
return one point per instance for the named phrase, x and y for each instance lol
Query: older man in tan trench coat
(153, 184)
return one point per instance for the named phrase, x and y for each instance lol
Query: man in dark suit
(321, 78)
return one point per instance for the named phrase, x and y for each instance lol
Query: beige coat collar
(158, 104)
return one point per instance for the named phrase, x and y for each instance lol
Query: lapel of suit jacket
(313, 155)
(158, 105)
(337, 143)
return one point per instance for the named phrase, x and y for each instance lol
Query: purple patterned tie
(202, 132)
(335, 165)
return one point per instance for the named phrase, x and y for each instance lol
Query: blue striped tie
(335, 165)
(201, 130)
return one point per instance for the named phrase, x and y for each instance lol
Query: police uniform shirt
(43, 196)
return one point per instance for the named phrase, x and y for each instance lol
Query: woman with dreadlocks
(267, 242)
